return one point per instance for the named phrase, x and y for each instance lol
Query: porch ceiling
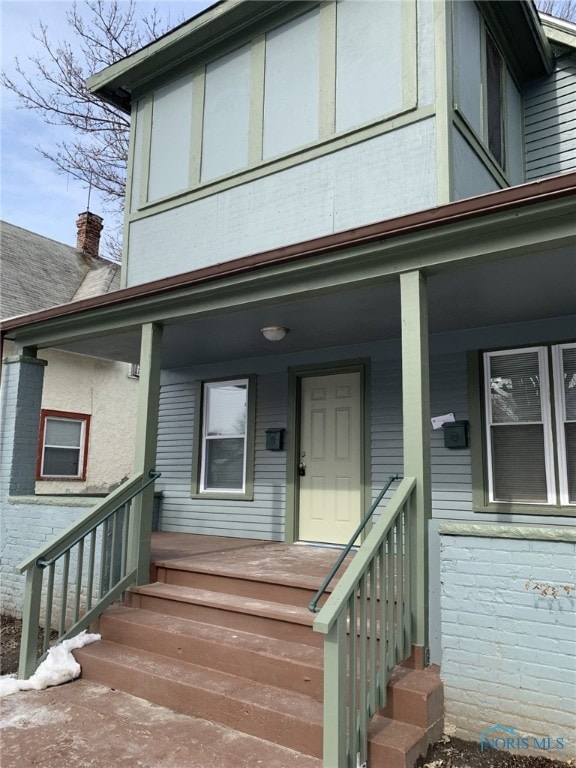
(519, 289)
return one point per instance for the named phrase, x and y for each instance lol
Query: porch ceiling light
(274, 332)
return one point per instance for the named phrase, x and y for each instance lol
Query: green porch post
(416, 420)
(145, 455)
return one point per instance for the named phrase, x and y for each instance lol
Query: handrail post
(141, 509)
(335, 747)
(30, 622)
(416, 430)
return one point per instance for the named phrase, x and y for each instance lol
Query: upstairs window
(63, 447)
(494, 100)
(530, 425)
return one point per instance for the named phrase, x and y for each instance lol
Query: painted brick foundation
(509, 637)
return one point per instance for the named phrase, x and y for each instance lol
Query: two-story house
(350, 255)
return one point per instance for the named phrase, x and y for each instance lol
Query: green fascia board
(518, 31)
(560, 32)
(183, 46)
(532, 228)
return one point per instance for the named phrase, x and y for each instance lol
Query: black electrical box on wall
(274, 439)
(456, 434)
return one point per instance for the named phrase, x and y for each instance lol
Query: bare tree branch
(562, 9)
(52, 84)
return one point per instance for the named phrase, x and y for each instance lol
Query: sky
(33, 194)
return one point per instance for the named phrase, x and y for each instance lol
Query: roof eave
(506, 201)
(116, 83)
(559, 31)
(519, 33)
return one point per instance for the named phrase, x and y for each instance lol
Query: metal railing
(368, 622)
(313, 606)
(87, 569)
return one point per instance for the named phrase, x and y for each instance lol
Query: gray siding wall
(550, 122)
(263, 518)
(333, 192)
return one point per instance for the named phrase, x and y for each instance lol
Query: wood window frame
(84, 419)
(558, 504)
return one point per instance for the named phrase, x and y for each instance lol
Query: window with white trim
(530, 423)
(63, 447)
(224, 436)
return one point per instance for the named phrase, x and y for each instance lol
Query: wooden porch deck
(304, 565)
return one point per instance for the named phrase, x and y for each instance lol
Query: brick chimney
(89, 226)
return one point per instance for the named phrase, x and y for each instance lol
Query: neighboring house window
(530, 425)
(494, 99)
(63, 447)
(226, 437)
(134, 370)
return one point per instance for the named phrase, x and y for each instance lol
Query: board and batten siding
(550, 122)
(386, 176)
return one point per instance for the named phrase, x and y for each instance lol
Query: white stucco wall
(102, 389)
(509, 639)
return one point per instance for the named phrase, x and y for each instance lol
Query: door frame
(295, 376)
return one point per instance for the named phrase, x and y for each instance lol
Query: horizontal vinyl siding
(386, 417)
(262, 518)
(451, 473)
(550, 122)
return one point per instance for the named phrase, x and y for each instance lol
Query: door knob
(301, 469)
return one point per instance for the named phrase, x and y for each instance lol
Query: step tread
(235, 639)
(283, 578)
(245, 691)
(249, 605)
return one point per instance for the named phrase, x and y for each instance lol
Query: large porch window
(530, 425)
(226, 438)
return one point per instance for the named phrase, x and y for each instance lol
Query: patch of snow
(58, 667)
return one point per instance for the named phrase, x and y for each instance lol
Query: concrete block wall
(509, 637)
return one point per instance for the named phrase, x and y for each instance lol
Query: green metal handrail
(313, 605)
(44, 562)
(92, 556)
(368, 622)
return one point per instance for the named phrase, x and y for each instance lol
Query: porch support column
(145, 456)
(416, 420)
(21, 402)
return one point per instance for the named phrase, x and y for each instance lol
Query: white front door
(330, 459)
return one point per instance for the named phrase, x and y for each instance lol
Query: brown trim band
(547, 190)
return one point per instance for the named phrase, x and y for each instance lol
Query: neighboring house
(84, 399)
(386, 190)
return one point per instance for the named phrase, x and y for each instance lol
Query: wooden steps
(237, 648)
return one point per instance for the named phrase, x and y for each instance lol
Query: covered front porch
(388, 308)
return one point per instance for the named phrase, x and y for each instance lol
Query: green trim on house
(391, 122)
(508, 531)
(478, 454)
(198, 92)
(248, 494)
(443, 54)
(416, 433)
(295, 375)
(145, 443)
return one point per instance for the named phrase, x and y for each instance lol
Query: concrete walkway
(82, 725)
